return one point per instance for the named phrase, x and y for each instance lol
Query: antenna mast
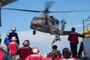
(88, 19)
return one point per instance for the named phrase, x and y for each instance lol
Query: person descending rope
(57, 38)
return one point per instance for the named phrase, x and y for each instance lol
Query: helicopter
(51, 25)
(47, 23)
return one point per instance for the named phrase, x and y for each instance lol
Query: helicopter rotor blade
(48, 4)
(68, 11)
(23, 10)
(47, 11)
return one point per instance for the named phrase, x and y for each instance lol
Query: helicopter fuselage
(40, 24)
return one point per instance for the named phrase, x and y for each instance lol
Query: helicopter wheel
(34, 32)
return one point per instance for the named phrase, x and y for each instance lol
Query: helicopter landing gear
(34, 32)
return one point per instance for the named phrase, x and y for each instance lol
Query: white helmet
(13, 29)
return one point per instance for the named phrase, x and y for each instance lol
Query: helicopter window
(57, 22)
(53, 22)
(42, 18)
(38, 18)
(34, 18)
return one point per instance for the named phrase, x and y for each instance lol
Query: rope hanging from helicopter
(63, 22)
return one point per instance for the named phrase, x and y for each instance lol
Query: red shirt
(12, 47)
(73, 37)
(24, 52)
(1, 55)
(35, 57)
